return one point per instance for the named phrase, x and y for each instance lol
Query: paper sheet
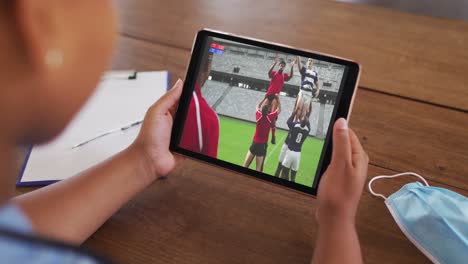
(115, 104)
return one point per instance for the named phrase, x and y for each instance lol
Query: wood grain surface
(413, 56)
(203, 214)
(410, 114)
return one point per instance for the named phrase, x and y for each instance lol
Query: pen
(131, 125)
(107, 133)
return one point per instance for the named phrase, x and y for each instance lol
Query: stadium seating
(255, 63)
(212, 91)
(241, 103)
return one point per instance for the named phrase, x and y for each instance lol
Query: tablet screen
(262, 109)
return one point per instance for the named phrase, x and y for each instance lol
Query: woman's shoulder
(19, 245)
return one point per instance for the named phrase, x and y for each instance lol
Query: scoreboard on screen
(216, 49)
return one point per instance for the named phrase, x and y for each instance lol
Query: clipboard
(120, 100)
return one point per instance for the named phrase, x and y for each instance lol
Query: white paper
(116, 103)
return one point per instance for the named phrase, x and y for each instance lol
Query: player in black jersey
(284, 148)
(299, 132)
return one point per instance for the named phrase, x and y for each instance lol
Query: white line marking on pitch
(276, 145)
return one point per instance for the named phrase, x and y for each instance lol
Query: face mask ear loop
(369, 186)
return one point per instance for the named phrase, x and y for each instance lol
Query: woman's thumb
(341, 144)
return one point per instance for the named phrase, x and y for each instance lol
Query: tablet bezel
(343, 104)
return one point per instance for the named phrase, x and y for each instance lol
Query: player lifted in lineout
(309, 89)
(263, 125)
(298, 133)
(277, 80)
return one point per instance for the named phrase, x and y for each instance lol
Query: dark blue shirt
(288, 138)
(14, 251)
(298, 135)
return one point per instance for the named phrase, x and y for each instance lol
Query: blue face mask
(434, 219)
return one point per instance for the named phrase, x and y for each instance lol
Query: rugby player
(278, 78)
(284, 148)
(299, 132)
(201, 128)
(309, 89)
(259, 145)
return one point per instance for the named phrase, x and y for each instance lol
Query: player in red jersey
(278, 78)
(259, 145)
(201, 129)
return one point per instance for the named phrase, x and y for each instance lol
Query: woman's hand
(155, 134)
(342, 183)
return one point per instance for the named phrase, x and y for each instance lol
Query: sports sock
(285, 173)
(293, 176)
(278, 170)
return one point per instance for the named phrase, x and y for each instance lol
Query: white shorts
(292, 160)
(305, 98)
(284, 149)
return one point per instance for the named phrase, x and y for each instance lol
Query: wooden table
(410, 113)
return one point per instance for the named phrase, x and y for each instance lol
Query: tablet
(262, 109)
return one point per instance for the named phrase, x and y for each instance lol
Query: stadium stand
(240, 79)
(212, 91)
(255, 63)
(241, 103)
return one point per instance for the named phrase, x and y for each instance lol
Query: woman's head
(53, 53)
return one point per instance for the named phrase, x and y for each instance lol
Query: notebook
(120, 101)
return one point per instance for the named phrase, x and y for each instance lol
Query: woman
(46, 44)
